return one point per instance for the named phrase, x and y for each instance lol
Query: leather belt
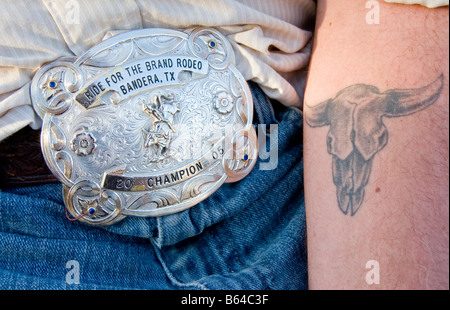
(22, 162)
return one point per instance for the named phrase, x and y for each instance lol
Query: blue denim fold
(247, 235)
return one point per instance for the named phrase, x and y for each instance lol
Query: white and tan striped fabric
(271, 40)
(269, 37)
(427, 3)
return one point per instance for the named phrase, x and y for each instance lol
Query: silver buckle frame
(146, 123)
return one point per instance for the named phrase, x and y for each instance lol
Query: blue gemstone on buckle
(212, 44)
(52, 84)
(91, 211)
(245, 157)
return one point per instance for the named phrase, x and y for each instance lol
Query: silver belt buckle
(147, 123)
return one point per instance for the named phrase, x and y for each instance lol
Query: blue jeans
(247, 235)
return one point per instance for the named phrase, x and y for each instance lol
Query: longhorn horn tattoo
(357, 132)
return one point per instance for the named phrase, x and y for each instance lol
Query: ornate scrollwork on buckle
(147, 123)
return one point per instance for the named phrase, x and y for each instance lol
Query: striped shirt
(428, 3)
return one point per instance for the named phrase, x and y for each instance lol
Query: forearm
(376, 158)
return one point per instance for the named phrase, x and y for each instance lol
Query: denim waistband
(247, 235)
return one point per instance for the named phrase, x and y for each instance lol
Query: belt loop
(264, 111)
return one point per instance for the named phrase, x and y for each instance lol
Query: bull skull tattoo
(357, 132)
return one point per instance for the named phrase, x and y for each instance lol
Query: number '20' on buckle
(146, 123)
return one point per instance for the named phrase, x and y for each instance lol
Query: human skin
(401, 217)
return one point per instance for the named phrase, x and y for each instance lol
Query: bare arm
(376, 147)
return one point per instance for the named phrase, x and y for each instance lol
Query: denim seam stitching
(170, 275)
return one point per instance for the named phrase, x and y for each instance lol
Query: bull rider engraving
(162, 109)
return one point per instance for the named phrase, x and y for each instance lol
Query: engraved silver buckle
(146, 123)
